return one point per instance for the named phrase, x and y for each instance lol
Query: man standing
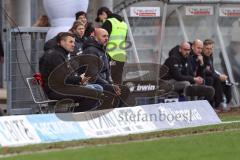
(117, 30)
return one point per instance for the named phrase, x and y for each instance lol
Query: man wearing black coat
(97, 46)
(105, 16)
(196, 58)
(56, 57)
(213, 78)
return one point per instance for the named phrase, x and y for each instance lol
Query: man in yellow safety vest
(117, 30)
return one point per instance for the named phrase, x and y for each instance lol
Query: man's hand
(198, 80)
(223, 77)
(200, 59)
(84, 80)
(117, 89)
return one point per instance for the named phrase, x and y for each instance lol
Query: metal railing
(24, 47)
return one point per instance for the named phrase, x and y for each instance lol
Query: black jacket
(209, 68)
(50, 44)
(196, 67)
(49, 61)
(93, 47)
(78, 45)
(179, 68)
(108, 25)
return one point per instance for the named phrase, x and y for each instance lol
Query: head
(208, 45)
(101, 36)
(197, 47)
(42, 21)
(185, 49)
(78, 28)
(66, 40)
(102, 14)
(81, 16)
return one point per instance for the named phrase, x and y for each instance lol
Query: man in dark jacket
(56, 57)
(213, 78)
(181, 74)
(196, 58)
(97, 46)
(180, 69)
(117, 30)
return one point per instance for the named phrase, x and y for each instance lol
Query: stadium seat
(46, 105)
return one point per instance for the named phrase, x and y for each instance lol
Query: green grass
(214, 142)
(214, 146)
(232, 116)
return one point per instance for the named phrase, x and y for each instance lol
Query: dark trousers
(207, 92)
(221, 89)
(111, 100)
(85, 104)
(117, 71)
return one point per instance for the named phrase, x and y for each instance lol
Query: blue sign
(51, 129)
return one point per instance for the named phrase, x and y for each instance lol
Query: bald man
(180, 75)
(197, 62)
(97, 46)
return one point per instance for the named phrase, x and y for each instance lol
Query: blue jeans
(95, 86)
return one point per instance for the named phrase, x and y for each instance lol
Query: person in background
(117, 30)
(42, 21)
(78, 29)
(233, 51)
(89, 28)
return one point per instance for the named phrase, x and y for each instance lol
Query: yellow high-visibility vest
(117, 41)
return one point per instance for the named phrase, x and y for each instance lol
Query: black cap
(100, 10)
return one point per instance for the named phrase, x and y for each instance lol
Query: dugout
(154, 28)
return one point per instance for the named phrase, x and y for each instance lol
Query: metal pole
(104, 3)
(136, 58)
(180, 19)
(162, 38)
(131, 37)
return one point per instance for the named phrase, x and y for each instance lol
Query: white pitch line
(228, 122)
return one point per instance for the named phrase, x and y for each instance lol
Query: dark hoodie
(94, 48)
(108, 25)
(179, 68)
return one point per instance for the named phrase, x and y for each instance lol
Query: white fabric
(61, 14)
